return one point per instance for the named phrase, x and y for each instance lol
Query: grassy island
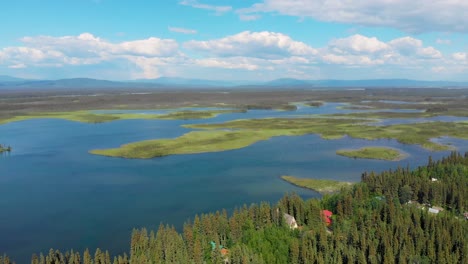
(314, 104)
(242, 133)
(190, 143)
(319, 185)
(381, 153)
(91, 117)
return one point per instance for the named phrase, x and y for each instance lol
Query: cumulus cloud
(412, 47)
(87, 45)
(195, 4)
(362, 50)
(151, 47)
(359, 44)
(414, 16)
(182, 30)
(253, 44)
(460, 56)
(87, 49)
(267, 54)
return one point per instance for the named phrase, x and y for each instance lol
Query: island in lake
(380, 153)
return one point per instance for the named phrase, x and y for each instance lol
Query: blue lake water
(54, 194)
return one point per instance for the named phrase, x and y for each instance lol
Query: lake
(54, 194)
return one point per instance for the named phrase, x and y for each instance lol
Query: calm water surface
(54, 194)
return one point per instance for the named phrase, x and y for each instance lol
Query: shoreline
(322, 186)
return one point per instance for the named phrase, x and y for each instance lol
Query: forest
(397, 216)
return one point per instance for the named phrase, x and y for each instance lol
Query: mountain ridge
(14, 82)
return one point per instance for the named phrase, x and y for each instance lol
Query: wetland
(106, 164)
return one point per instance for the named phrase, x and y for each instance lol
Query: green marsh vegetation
(381, 153)
(322, 186)
(242, 133)
(384, 115)
(268, 106)
(190, 143)
(91, 117)
(314, 103)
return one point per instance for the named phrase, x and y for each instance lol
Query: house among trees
(326, 215)
(290, 221)
(433, 211)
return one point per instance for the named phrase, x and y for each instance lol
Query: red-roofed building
(326, 216)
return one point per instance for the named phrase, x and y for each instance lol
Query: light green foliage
(381, 153)
(331, 128)
(242, 133)
(193, 142)
(90, 117)
(319, 185)
(314, 103)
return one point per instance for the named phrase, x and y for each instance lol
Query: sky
(248, 40)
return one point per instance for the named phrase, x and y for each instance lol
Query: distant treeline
(372, 223)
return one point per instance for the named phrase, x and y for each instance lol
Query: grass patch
(381, 153)
(190, 143)
(384, 115)
(89, 117)
(332, 128)
(242, 133)
(314, 104)
(319, 185)
(266, 106)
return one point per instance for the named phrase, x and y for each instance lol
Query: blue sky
(235, 40)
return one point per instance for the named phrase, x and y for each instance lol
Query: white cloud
(359, 44)
(182, 30)
(17, 66)
(151, 47)
(195, 4)
(460, 56)
(411, 16)
(244, 17)
(412, 47)
(87, 49)
(351, 60)
(230, 63)
(362, 50)
(267, 54)
(438, 69)
(444, 41)
(253, 44)
(87, 45)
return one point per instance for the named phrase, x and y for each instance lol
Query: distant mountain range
(9, 82)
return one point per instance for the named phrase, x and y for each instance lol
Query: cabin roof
(327, 213)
